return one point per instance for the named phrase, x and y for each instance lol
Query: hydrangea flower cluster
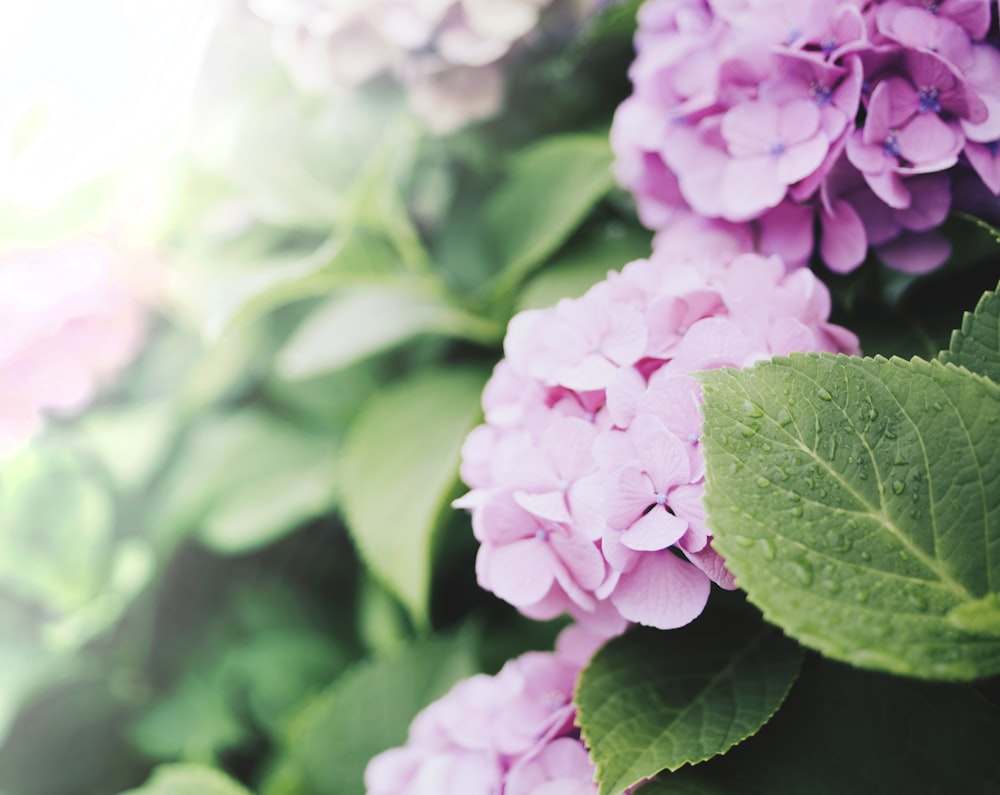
(512, 733)
(855, 112)
(67, 322)
(447, 52)
(587, 476)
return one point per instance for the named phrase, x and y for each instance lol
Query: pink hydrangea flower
(511, 733)
(68, 323)
(740, 109)
(448, 53)
(587, 477)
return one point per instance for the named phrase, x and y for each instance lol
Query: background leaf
(188, 780)
(652, 700)
(977, 344)
(552, 186)
(362, 321)
(855, 500)
(364, 712)
(399, 465)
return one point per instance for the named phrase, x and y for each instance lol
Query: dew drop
(793, 496)
(767, 548)
(919, 601)
(831, 452)
(801, 572)
(753, 410)
(872, 413)
(853, 524)
(833, 586)
(889, 433)
(866, 555)
(898, 487)
(784, 418)
(797, 511)
(823, 394)
(763, 482)
(749, 431)
(839, 542)
(766, 447)
(938, 407)
(862, 595)
(904, 555)
(742, 541)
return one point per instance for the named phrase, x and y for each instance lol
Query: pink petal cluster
(447, 52)
(587, 476)
(853, 112)
(509, 734)
(67, 323)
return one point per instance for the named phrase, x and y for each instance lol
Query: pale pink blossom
(69, 323)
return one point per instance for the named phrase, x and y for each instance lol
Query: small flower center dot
(661, 498)
(891, 144)
(776, 149)
(928, 99)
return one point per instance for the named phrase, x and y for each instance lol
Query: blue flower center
(661, 498)
(891, 144)
(928, 99)
(821, 95)
(828, 44)
(542, 534)
(776, 149)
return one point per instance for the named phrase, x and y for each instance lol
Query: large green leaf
(855, 500)
(361, 321)
(364, 712)
(843, 730)
(977, 344)
(399, 465)
(188, 780)
(552, 186)
(654, 700)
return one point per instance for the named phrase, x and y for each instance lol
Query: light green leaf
(363, 321)
(843, 730)
(977, 344)
(552, 186)
(399, 466)
(584, 264)
(243, 479)
(855, 500)
(653, 700)
(257, 513)
(130, 440)
(366, 711)
(980, 617)
(220, 298)
(188, 780)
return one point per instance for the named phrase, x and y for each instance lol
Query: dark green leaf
(977, 344)
(842, 730)
(855, 500)
(652, 700)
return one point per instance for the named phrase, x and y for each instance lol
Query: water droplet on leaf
(823, 394)
(898, 487)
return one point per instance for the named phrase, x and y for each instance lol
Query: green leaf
(844, 730)
(188, 780)
(366, 711)
(584, 264)
(981, 616)
(652, 700)
(552, 186)
(977, 344)
(363, 321)
(399, 466)
(224, 486)
(223, 297)
(855, 501)
(196, 722)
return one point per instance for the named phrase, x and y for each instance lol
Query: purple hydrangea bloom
(587, 476)
(741, 108)
(510, 733)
